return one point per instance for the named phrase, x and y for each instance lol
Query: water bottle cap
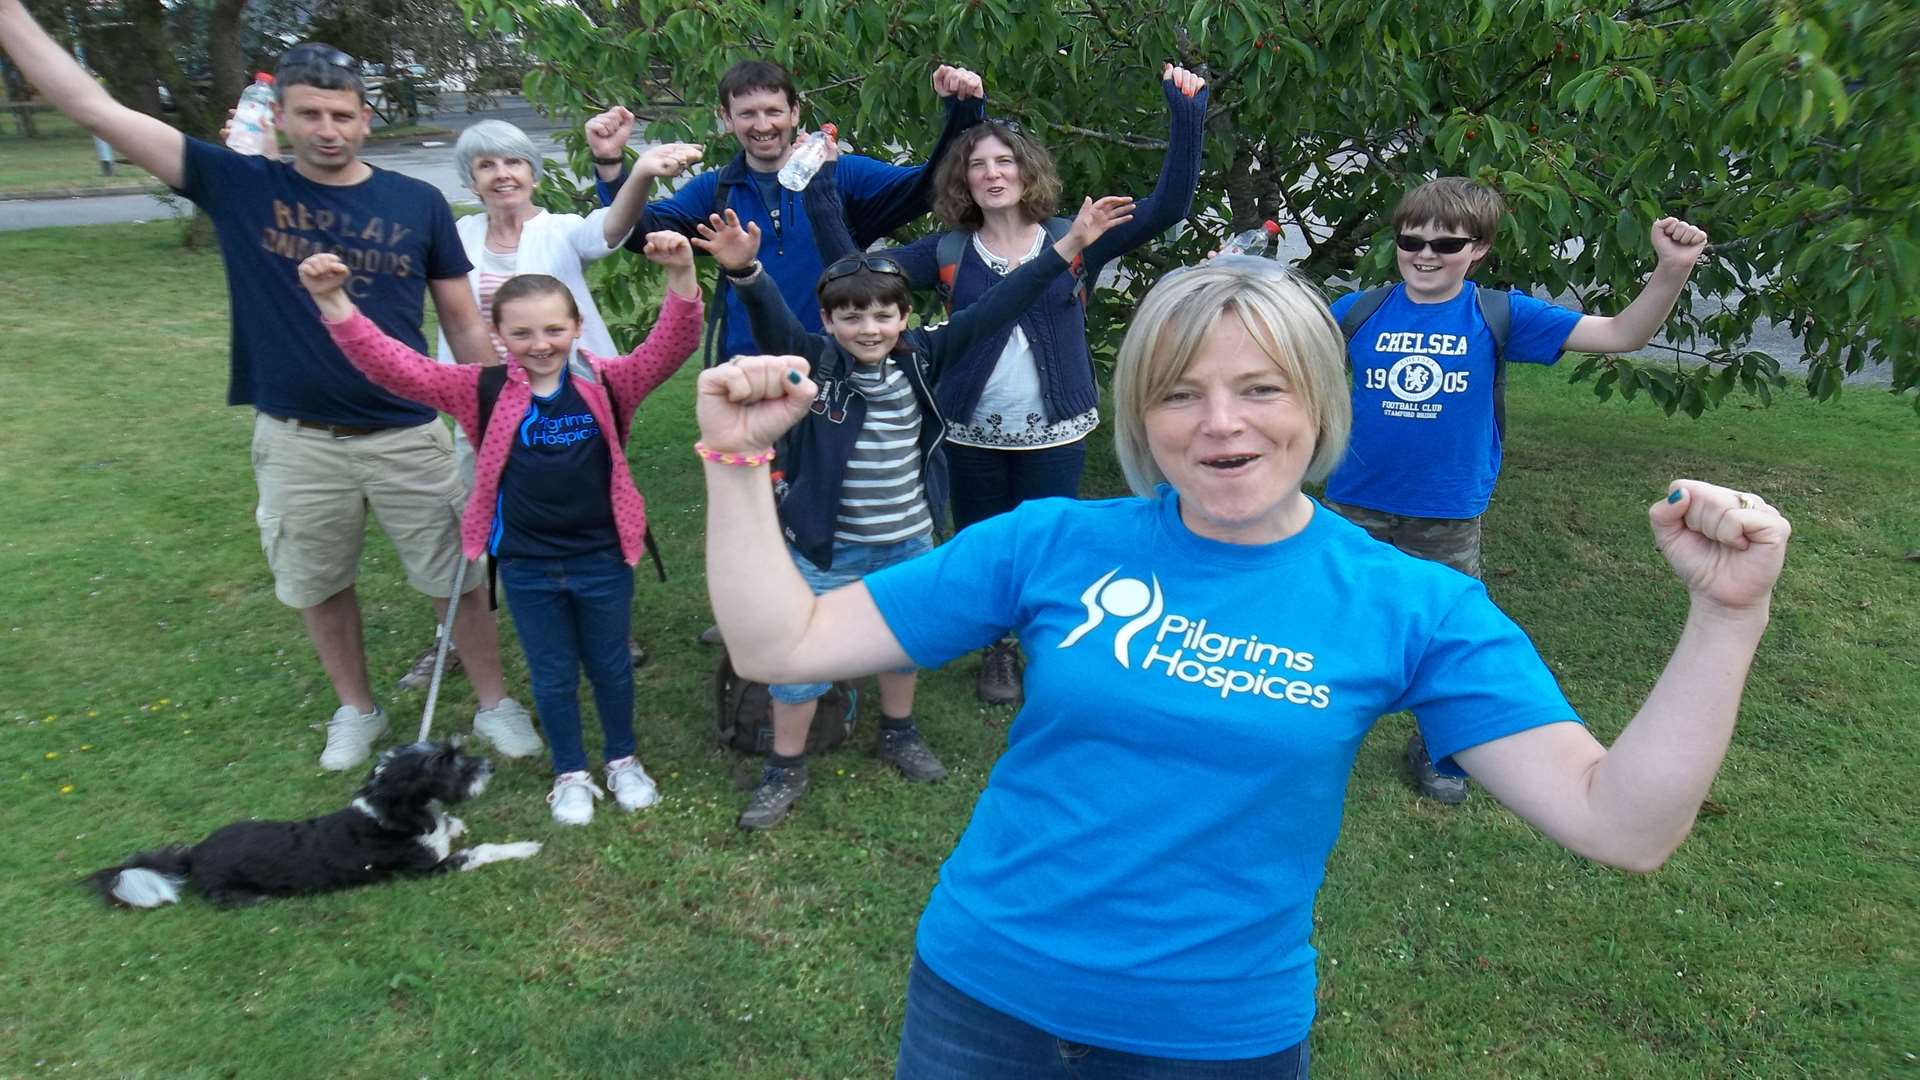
(263, 77)
(1270, 227)
(829, 130)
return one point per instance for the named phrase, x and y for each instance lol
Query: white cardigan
(558, 244)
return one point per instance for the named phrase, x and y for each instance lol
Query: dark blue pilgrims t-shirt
(394, 232)
(554, 499)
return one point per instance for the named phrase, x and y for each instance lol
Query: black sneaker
(778, 790)
(421, 672)
(1450, 790)
(905, 750)
(999, 680)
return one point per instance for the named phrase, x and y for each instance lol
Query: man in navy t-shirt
(1425, 450)
(327, 443)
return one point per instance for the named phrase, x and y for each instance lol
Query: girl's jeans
(572, 612)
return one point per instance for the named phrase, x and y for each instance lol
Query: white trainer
(632, 788)
(572, 798)
(508, 727)
(350, 736)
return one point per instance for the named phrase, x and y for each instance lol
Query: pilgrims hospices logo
(1187, 649)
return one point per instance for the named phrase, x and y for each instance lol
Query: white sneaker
(350, 736)
(632, 788)
(572, 798)
(508, 727)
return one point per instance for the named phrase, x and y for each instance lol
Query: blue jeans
(950, 1036)
(989, 482)
(851, 562)
(572, 612)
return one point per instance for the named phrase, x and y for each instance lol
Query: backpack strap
(716, 334)
(1362, 309)
(953, 247)
(1496, 307)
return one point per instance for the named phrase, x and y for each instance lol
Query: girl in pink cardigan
(553, 501)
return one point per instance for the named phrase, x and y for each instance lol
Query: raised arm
(450, 388)
(881, 197)
(826, 209)
(662, 162)
(147, 142)
(1678, 246)
(776, 629)
(775, 327)
(1172, 196)
(1631, 804)
(675, 335)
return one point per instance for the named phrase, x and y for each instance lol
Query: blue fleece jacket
(880, 197)
(1056, 326)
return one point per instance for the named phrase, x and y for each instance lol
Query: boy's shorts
(851, 562)
(1451, 542)
(315, 490)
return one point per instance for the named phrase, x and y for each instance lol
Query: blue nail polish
(793, 377)
(1676, 495)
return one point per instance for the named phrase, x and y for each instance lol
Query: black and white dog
(394, 826)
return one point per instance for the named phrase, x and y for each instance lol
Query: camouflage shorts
(1454, 542)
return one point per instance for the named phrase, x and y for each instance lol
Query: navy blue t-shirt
(554, 499)
(395, 233)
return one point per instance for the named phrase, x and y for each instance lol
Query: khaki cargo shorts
(316, 489)
(1447, 541)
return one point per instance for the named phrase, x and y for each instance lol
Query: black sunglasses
(314, 52)
(853, 264)
(1441, 245)
(1007, 125)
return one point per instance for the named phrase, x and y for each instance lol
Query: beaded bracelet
(719, 457)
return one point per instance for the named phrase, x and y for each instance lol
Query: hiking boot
(632, 788)
(572, 798)
(711, 636)
(635, 653)
(999, 680)
(508, 727)
(778, 790)
(1450, 790)
(420, 674)
(905, 750)
(351, 735)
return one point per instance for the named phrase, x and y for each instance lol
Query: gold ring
(1746, 502)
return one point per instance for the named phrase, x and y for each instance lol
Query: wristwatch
(745, 273)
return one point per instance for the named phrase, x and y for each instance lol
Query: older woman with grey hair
(499, 163)
(1135, 890)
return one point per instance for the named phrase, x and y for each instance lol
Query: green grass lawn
(153, 689)
(62, 157)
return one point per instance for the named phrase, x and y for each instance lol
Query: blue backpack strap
(1496, 307)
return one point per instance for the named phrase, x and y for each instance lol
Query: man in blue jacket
(761, 109)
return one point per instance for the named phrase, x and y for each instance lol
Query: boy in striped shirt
(860, 481)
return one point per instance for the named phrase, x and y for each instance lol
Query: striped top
(495, 268)
(883, 499)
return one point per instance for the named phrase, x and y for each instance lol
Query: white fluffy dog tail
(142, 888)
(150, 879)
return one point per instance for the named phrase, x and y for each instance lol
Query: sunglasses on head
(314, 52)
(1441, 245)
(1007, 125)
(853, 264)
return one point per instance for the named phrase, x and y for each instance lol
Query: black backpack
(1496, 307)
(743, 713)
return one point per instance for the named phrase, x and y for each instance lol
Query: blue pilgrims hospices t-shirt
(1140, 871)
(555, 499)
(394, 232)
(1424, 442)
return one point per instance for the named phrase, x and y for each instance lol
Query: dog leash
(440, 647)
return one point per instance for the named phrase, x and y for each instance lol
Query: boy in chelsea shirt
(1425, 448)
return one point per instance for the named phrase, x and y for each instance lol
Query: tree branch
(1104, 136)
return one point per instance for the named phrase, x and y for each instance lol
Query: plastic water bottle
(805, 162)
(1255, 242)
(252, 128)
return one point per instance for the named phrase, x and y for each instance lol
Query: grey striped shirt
(882, 497)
